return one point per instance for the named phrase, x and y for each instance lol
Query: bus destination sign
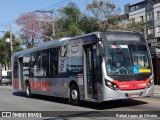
(122, 37)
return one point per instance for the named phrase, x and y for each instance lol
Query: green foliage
(16, 45)
(86, 24)
(4, 53)
(136, 26)
(69, 22)
(48, 31)
(103, 14)
(101, 9)
(5, 48)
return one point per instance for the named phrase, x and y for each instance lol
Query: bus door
(90, 72)
(20, 74)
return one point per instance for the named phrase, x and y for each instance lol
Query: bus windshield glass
(126, 59)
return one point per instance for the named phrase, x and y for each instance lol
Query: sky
(10, 10)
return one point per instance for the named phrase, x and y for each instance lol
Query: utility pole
(11, 44)
(51, 16)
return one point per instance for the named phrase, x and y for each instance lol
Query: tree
(5, 50)
(136, 27)
(102, 12)
(4, 53)
(48, 31)
(15, 42)
(129, 25)
(32, 28)
(69, 22)
(105, 16)
(88, 24)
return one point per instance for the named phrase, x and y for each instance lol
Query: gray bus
(95, 67)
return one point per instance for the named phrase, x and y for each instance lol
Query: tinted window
(45, 62)
(26, 65)
(15, 68)
(35, 64)
(54, 53)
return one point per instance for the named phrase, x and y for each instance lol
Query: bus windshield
(126, 59)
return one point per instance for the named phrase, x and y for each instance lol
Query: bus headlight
(150, 83)
(111, 85)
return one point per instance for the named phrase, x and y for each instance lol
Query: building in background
(148, 11)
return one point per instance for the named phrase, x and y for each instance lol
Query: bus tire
(74, 95)
(28, 90)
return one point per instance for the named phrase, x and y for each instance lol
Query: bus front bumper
(109, 94)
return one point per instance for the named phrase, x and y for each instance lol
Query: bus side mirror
(101, 49)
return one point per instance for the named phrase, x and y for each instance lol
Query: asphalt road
(11, 100)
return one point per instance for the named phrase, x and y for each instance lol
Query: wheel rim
(74, 94)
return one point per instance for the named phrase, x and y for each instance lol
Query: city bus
(96, 67)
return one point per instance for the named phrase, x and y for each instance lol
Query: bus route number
(142, 85)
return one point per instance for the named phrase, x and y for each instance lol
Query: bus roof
(50, 44)
(63, 41)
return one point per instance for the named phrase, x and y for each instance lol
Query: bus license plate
(133, 95)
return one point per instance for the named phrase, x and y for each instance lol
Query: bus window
(26, 65)
(45, 62)
(118, 59)
(63, 51)
(54, 61)
(35, 66)
(15, 69)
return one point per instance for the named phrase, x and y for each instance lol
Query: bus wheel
(74, 95)
(28, 90)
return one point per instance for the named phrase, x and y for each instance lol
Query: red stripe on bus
(15, 83)
(44, 86)
(132, 85)
(35, 85)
